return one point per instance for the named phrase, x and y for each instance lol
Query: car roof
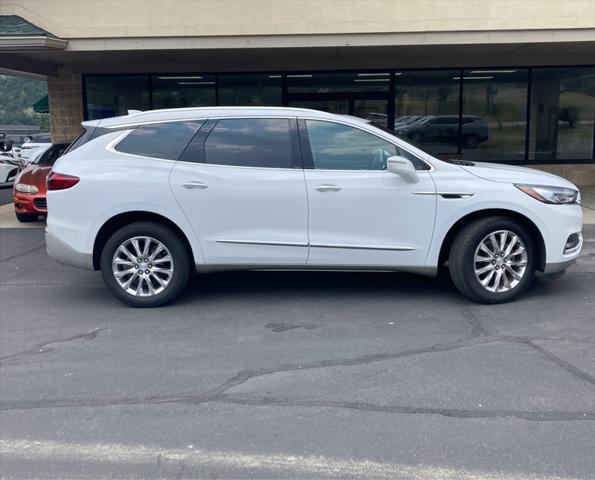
(173, 114)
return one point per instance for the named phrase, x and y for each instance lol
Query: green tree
(17, 96)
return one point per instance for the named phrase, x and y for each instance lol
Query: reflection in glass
(562, 114)
(331, 106)
(340, 147)
(175, 91)
(115, 95)
(250, 90)
(494, 114)
(374, 111)
(427, 109)
(250, 142)
(338, 82)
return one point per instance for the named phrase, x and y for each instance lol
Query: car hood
(496, 172)
(35, 175)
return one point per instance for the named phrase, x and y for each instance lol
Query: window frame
(308, 159)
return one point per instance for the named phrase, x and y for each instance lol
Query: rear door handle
(193, 185)
(328, 188)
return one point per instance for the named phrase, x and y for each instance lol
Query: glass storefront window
(427, 109)
(494, 114)
(562, 114)
(114, 95)
(250, 90)
(490, 124)
(174, 91)
(338, 82)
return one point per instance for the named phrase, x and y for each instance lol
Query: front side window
(162, 140)
(250, 142)
(341, 147)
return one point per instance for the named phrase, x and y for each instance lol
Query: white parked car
(9, 168)
(35, 146)
(148, 198)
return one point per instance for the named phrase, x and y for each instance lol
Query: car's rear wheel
(26, 217)
(145, 264)
(493, 260)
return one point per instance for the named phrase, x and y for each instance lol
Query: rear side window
(250, 142)
(162, 140)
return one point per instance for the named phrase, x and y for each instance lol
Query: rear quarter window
(160, 140)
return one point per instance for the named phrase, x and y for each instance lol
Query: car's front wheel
(145, 264)
(492, 260)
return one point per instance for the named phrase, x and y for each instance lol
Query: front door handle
(193, 185)
(327, 188)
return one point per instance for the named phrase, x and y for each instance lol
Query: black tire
(471, 141)
(27, 217)
(462, 253)
(171, 240)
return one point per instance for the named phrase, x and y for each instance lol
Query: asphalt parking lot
(292, 375)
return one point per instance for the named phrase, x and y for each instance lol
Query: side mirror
(402, 167)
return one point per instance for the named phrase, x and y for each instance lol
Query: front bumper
(30, 204)
(67, 255)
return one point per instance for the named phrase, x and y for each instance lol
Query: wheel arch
(494, 212)
(118, 221)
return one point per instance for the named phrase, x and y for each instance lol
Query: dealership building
(501, 81)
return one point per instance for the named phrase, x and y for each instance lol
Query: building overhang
(43, 56)
(22, 43)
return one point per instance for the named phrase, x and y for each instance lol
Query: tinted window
(250, 142)
(162, 140)
(496, 100)
(172, 91)
(113, 95)
(422, 95)
(341, 147)
(49, 157)
(562, 121)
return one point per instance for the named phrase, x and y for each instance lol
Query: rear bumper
(67, 255)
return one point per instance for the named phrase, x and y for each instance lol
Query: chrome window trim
(349, 246)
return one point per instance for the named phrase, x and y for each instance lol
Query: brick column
(65, 95)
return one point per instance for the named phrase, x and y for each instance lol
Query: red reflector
(59, 181)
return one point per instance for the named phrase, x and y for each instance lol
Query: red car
(30, 185)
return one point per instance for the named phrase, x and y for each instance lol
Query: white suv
(151, 197)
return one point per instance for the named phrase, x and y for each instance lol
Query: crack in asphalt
(42, 347)
(371, 407)
(479, 335)
(17, 255)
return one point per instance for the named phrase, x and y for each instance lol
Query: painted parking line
(27, 450)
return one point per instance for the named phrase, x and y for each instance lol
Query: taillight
(59, 181)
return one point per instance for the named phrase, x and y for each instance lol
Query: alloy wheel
(142, 266)
(500, 261)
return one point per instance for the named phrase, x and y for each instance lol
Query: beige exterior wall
(146, 18)
(65, 97)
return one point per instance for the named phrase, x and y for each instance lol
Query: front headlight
(547, 194)
(24, 188)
